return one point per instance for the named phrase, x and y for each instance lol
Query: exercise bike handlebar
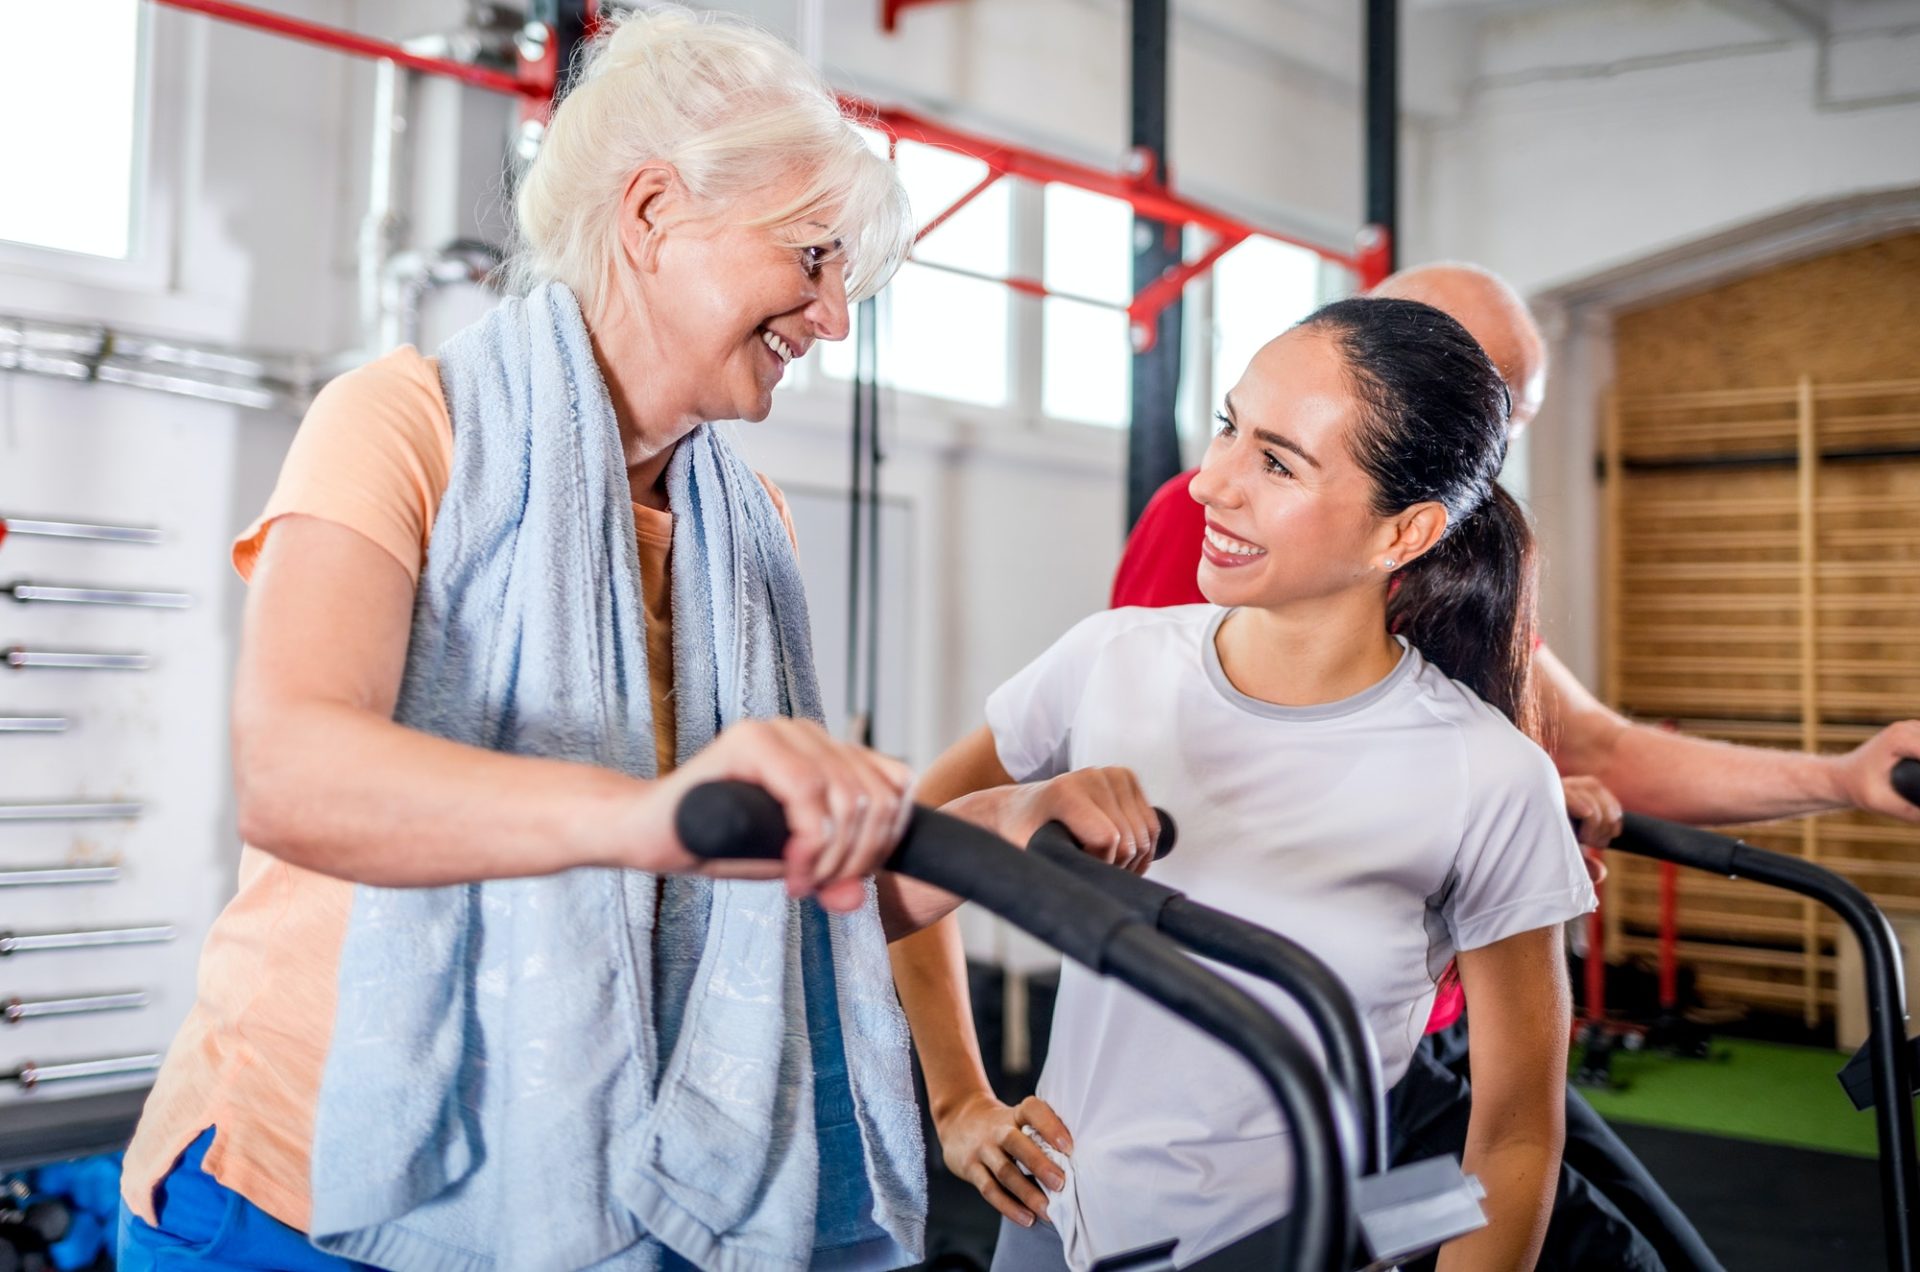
(1886, 995)
(739, 820)
(1906, 780)
(1352, 1055)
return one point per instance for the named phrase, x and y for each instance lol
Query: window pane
(1084, 371)
(976, 237)
(1085, 374)
(943, 334)
(1089, 245)
(71, 167)
(1260, 289)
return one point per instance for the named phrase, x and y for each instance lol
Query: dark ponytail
(1433, 428)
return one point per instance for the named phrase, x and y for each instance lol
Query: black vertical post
(567, 19)
(1383, 122)
(863, 503)
(1153, 440)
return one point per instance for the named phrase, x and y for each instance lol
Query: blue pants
(206, 1225)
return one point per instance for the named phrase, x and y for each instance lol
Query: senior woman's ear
(654, 196)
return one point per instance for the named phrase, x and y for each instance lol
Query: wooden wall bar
(1763, 587)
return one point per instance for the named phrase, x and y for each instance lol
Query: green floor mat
(1747, 1090)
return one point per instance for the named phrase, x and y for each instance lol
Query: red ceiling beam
(1140, 188)
(890, 11)
(344, 41)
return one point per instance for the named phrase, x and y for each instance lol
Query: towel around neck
(518, 1077)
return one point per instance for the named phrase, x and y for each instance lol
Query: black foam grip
(1066, 912)
(1168, 834)
(1644, 836)
(1906, 780)
(740, 820)
(1144, 897)
(731, 819)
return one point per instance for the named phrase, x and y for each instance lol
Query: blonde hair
(735, 111)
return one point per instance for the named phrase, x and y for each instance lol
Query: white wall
(239, 246)
(1600, 134)
(255, 173)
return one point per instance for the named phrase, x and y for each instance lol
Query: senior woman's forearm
(326, 780)
(338, 790)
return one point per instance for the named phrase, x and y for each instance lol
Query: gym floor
(1760, 1146)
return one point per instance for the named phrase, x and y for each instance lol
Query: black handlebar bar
(1906, 780)
(740, 820)
(1886, 995)
(1352, 1055)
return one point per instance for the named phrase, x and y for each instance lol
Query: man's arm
(1707, 783)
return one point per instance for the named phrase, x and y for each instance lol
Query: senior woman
(474, 1005)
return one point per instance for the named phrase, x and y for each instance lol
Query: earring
(1389, 563)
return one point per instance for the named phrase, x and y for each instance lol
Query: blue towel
(539, 1073)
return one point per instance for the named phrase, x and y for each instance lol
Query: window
(1260, 288)
(1085, 371)
(70, 86)
(952, 329)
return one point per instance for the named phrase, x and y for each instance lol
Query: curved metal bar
(16, 1011)
(734, 819)
(71, 812)
(30, 877)
(1889, 1057)
(29, 593)
(78, 530)
(31, 1074)
(1352, 1055)
(91, 938)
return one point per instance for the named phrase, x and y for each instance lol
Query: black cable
(863, 320)
(874, 457)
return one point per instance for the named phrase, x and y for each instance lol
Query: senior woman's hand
(846, 806)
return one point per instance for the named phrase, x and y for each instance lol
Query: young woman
(1341, 737)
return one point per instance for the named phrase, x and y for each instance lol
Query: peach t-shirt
(373, 454)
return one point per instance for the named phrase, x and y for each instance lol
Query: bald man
(1608, 1212)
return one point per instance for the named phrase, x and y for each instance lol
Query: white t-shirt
(1384, 832)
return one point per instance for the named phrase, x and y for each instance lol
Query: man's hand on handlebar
(1103, 808)
(847, 807)
(1865, 773)
(985, 1143)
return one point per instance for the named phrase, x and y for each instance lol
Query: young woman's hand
(846, 807)
(985, 1143)
(1104, 809)
(1594, 809)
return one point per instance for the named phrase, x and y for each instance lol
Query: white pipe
(411, 275)
(382, 227)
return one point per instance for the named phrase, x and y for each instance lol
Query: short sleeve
(374, 454)
(1519, 867)
(1032, 715)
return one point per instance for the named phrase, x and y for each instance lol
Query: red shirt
(1161, 567)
